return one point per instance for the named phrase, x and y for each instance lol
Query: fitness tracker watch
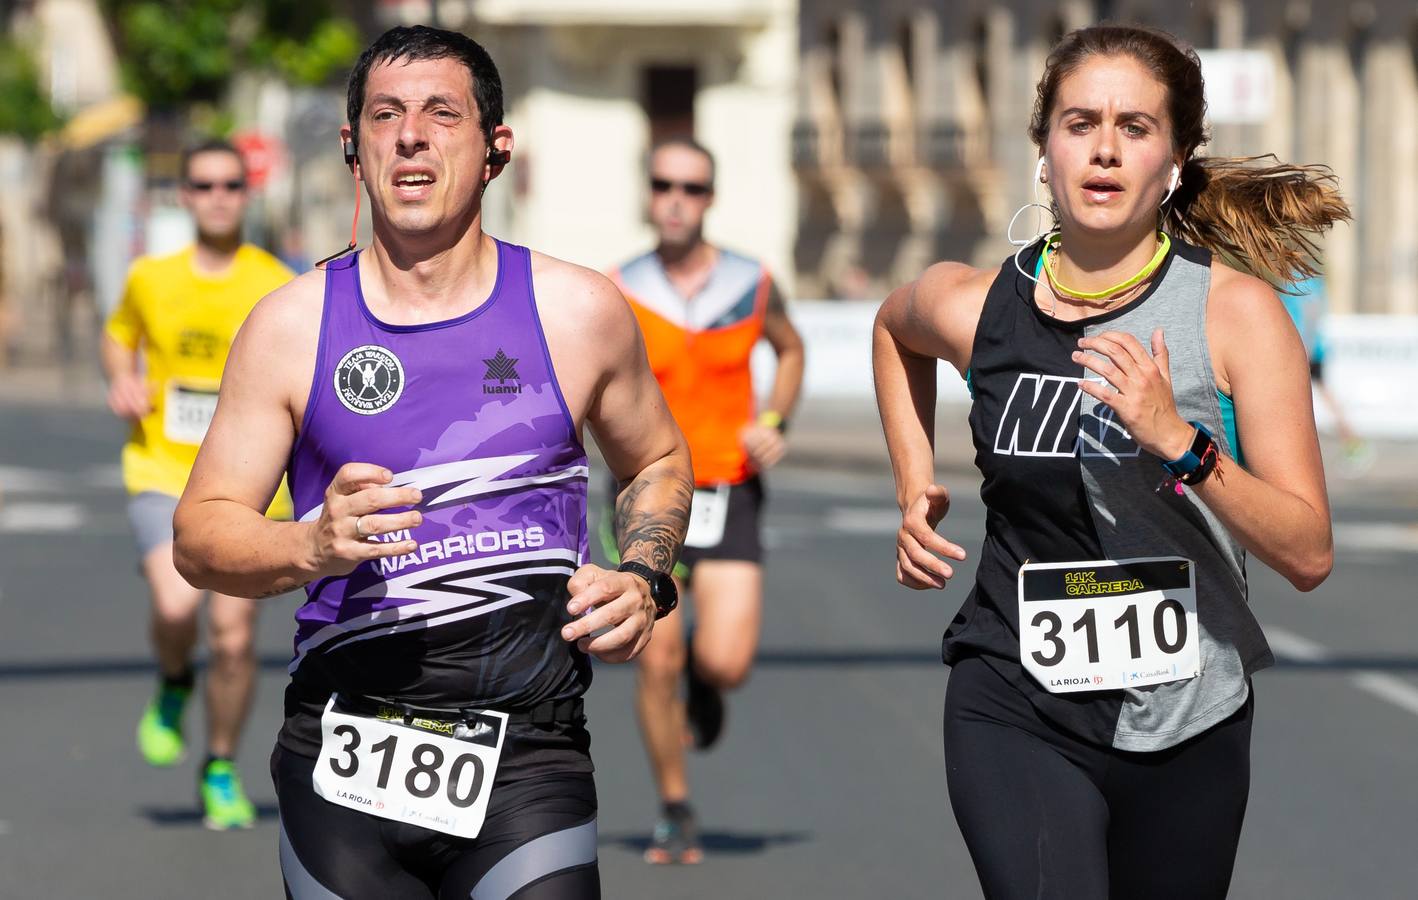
(662, 587)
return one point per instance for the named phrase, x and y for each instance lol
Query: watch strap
(1195, 454)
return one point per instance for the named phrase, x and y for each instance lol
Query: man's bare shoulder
(292, 311)
(572, 295)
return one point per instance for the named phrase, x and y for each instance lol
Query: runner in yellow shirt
(163, 350)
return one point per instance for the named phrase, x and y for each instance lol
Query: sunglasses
(690, 188)
(203, 187)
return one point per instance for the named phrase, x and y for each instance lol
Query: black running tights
(1046, 815)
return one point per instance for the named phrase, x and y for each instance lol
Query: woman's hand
(919, 548)
(1141, 390)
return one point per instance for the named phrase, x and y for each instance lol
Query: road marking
(1386, 687)
(863, 520)
(1292, 646)
(40, 517)
(108, 475)
(1377, 536)
(1393, 690)
(19, 480)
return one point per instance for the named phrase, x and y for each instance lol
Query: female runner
(1142, 421)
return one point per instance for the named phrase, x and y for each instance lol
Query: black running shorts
(537, 843)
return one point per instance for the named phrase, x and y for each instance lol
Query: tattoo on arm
(651, 516)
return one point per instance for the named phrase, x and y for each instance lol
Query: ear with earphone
(497, 157)
(1172, 184)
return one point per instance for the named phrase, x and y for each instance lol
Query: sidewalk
(831, 433)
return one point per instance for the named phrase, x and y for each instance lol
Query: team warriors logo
(369, 380)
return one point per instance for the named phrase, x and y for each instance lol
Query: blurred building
(590, 87)
(910, 141)
(48, 201)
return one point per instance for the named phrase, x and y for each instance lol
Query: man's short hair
(209, 145)
(689, 143)
(420, 42)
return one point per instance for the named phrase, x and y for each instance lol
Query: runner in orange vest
(702, 309)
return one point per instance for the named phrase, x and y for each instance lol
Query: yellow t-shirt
(184, 321)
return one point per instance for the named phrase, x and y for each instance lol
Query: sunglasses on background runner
(203, 187)
(690, 188)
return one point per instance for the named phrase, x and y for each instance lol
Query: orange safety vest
(699, 350)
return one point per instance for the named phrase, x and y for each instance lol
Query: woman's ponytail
(1257, 212)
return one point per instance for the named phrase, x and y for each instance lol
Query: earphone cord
(354, 228)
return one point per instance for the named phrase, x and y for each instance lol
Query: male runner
(163, 351)
(702, 309)
(428, 398)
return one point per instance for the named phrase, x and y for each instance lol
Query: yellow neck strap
(1164, 244)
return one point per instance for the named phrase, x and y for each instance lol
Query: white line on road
(1377, 536)
(37, 517)
(17, 480)
(1385, 687)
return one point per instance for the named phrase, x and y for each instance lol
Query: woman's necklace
(1108, 295)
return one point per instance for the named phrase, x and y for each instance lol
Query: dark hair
(1254, 210)
(419, 42)
(689, 143)
(209, 145)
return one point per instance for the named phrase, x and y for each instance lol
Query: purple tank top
(469, 411)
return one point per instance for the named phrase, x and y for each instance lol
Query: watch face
(1200, 443)
(663, 591)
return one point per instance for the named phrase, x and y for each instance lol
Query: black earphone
(349, 152)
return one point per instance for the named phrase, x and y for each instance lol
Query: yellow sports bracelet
(1164, 244)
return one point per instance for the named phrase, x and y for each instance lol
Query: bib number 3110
(1106, 624)
(409, 773)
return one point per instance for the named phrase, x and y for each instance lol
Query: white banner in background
(1371, 368)
(837, 334)
(1371, 364)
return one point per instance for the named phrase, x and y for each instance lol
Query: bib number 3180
(1105, 624)
(408, 773)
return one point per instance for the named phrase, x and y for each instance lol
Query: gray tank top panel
(1134, 519)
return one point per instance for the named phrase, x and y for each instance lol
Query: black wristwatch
(1193, 466)
(662, 587)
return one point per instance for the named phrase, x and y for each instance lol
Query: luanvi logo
(503, 369)
(1041, 418)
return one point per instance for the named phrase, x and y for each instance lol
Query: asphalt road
(829, 782)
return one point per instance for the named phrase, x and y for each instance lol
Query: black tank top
(1064, 483)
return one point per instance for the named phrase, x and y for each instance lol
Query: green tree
(179, 52)
(24, 109)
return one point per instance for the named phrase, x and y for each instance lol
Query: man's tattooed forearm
(651, 528)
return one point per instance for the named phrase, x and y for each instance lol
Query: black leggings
(1046, 815)
(538, 843)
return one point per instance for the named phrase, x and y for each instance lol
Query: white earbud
(1041, 230)
(1176, 178)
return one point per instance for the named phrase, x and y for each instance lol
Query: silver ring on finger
(359, 528)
